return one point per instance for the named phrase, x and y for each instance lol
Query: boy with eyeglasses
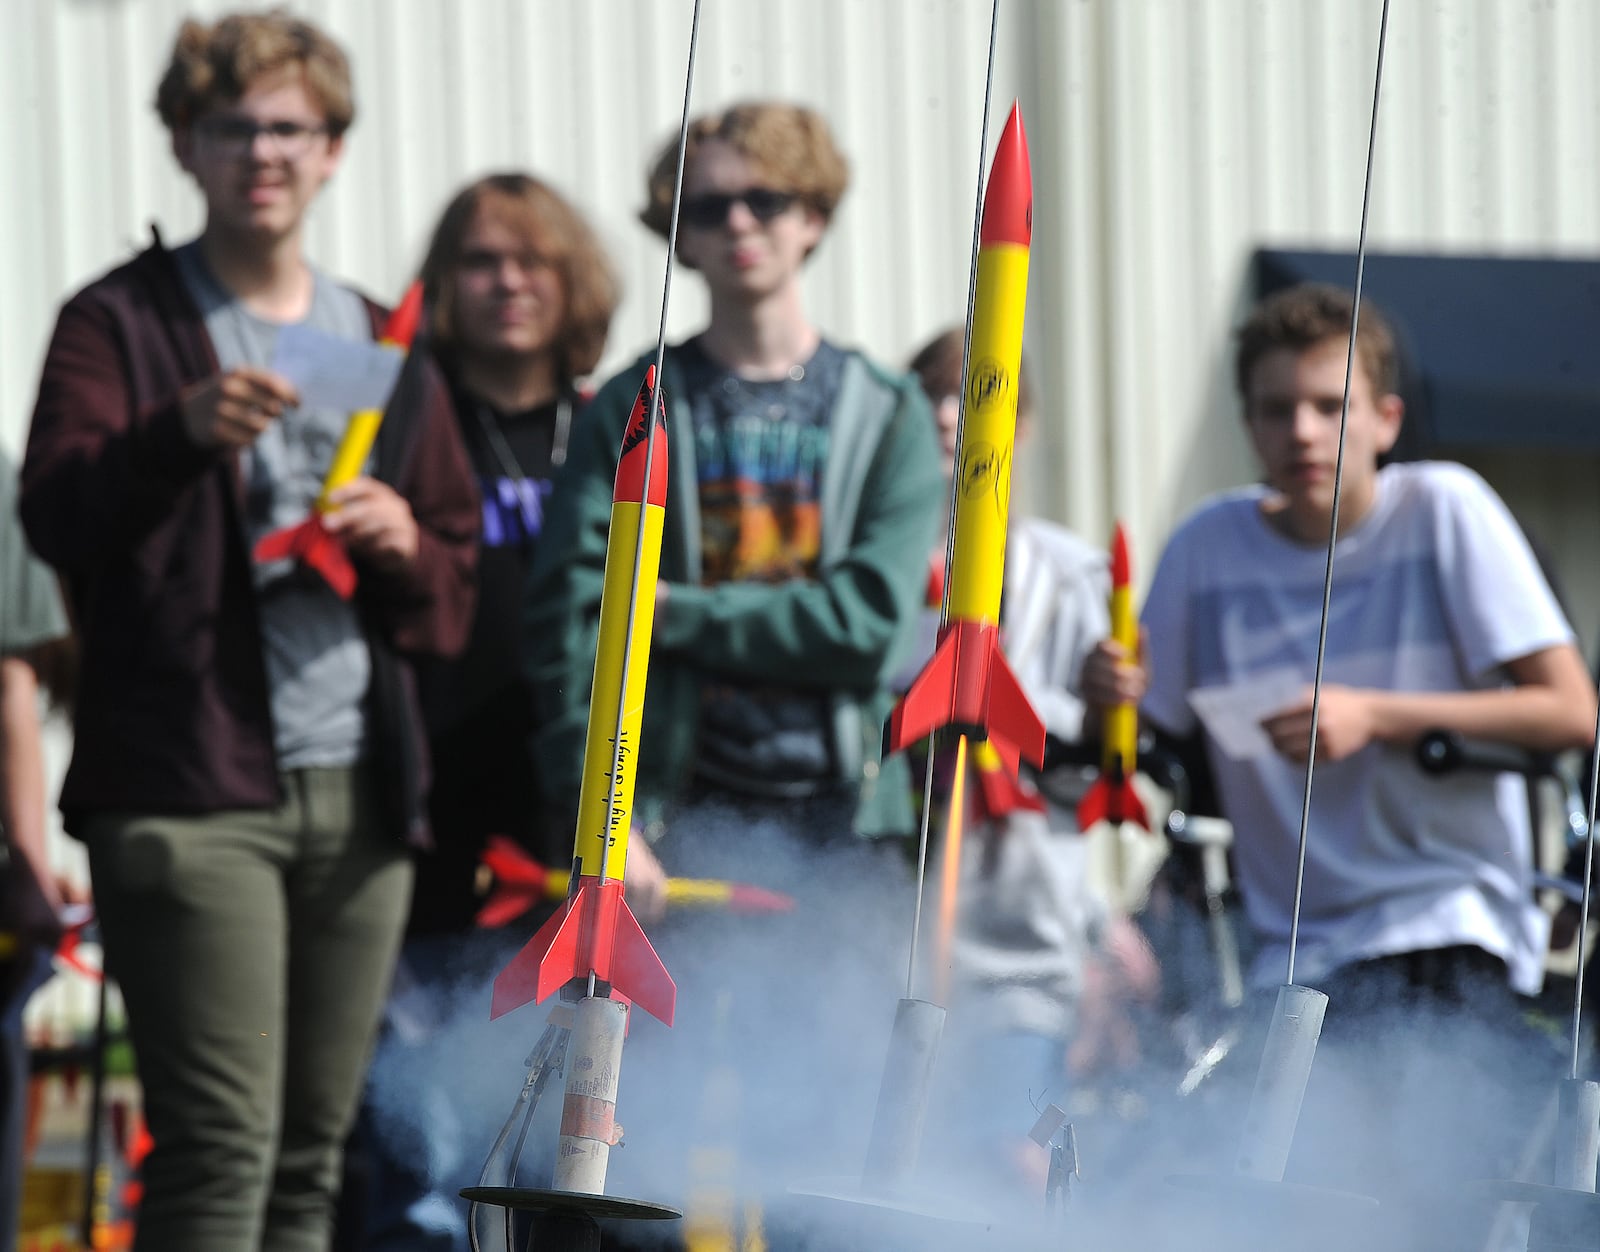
(248, 765)
(803, 494)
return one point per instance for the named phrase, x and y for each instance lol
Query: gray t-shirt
(318, 666)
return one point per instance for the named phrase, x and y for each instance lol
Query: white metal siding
(1169, 137)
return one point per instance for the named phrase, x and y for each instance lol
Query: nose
(1308, 423)
(740, 217)
(262, 147)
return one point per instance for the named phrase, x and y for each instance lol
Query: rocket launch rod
(1338, 485)
(1584, 907)
(651, 418)
(955, 480)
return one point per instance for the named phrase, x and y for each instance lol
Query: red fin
(1002, 792)
(968, 685)
(511, 864)
(1112, 800)
(547, 963)
(309, 543)
(594, 933)
(637, 973)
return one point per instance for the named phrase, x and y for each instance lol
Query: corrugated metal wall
(1169, 138)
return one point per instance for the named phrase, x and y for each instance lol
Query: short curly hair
(217, 63)
(550, 226)
(789, 145)
(1301, 317)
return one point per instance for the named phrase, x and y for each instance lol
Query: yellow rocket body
(605, 804)
(988, 437)
(1120, 729)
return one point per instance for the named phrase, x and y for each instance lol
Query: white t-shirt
(1434, 590)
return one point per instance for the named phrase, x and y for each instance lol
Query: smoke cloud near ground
(768, 1081)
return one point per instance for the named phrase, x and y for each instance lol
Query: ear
(815, 228)
(1391, 411)
(183, 148)
(332, 157)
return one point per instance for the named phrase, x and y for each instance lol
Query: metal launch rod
(955, 483)
(1588, 893)
(618, 747)
(1338, 486)
(1291, 1045)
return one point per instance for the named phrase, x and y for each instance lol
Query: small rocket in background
(1113, 798)
(595, 941)
(520, 882)
(309, 542)
(968, 684)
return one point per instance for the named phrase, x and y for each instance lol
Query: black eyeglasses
(711, 210)
(237, 135)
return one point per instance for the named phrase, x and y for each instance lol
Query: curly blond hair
(217, 63)
(789, 145)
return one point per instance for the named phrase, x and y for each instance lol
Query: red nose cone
(1008, 199)
(401, 328)
(1121, 567)
(641, 435)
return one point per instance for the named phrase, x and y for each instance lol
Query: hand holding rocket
(312, 542)
(1113, 797)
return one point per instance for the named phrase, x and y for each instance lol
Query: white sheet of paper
(1232, 712)
(334, 373)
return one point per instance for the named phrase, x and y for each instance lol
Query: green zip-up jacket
(842, 634)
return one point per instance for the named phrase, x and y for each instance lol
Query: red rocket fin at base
(595, 917)
(968, 685)
(310, 543)
(1112, 799)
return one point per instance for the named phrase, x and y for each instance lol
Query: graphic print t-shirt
(760, 447)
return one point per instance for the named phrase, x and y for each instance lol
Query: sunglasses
(710, 211)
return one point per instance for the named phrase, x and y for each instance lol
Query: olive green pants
(253, 950)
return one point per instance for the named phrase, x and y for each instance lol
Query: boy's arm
(92, 480)
(1505, 624)
(34, 897)
(1549, 707)
(837, 630)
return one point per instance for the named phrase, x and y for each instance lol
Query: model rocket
(967, 684)
(1113, 798)
(595, 934)
(520, 882)
(309, 542)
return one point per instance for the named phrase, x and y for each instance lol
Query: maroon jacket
(148, 533)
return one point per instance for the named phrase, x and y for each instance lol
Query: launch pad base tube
(903, 1095)
(588, 1109)
(1281, 1082)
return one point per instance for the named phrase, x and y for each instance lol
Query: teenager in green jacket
(804, 492)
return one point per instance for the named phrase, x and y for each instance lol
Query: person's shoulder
(1220, 512)
(1067, 552)
(1435, 480)
(154, 266)
(1435, 495)
(876, 373)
